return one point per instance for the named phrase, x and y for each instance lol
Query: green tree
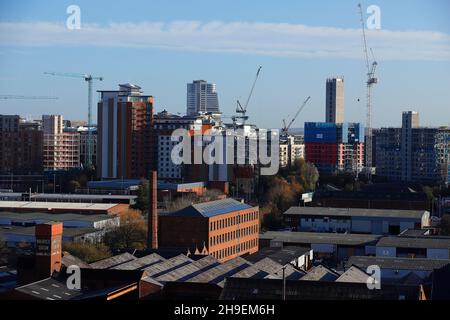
(143, 197)
(73, 185)
(87, 252)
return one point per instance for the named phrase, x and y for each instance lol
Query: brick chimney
(48, 248)
(152, 219)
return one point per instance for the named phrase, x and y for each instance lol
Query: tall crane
(243, 109)
(285, 129)
(371, 81)
(12, 96)
(89, 79)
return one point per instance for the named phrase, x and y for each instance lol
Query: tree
(73, 185)
(87, 252)
(142, 200)
(132, 233)
(445, 225)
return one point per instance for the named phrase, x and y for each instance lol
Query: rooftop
(354, 212)
(320, 273)
(5, 205)
(321, 238)
(32, 217)
(354, 275)
(396, 263)
(212, 208)
(407, 242)
(281, 256)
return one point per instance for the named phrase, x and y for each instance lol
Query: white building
(201, 97)
(291, 149)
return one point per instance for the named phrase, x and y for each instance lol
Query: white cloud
(271, 39)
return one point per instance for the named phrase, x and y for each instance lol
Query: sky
(162, 45)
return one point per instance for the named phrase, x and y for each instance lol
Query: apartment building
(125, 141)
(20, 146)
(61, 149)
(413, 153)
(291, 149)
(335, 147)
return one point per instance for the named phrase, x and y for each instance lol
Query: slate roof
(113, 261)
(140, 263)
(211, 208)
(354, 275)
(282, 255)
(320, 273)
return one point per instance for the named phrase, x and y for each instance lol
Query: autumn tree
(131, 234)
(88, 252)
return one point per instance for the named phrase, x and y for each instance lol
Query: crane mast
(371, 81)
(285, 129)
(243, 109)
(89, 79)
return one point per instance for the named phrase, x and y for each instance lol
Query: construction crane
(12, 96)
(285, 129)
(243, 109)
(89, 79)
(371, 81)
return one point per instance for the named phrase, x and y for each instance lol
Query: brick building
(224, 228)
(20, 146)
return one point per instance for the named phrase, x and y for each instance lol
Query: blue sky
(162, 45)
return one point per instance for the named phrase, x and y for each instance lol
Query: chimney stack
(48, 248)
(152, 219)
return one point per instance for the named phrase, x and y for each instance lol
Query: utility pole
(284, 283)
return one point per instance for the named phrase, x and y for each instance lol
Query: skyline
(164, 53)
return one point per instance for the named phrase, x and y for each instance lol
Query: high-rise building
(334, 102)
(291, 149)
(20, 146)
(61, 148)
(412, 153)
(201, 97)
(335, 147)
(124, 133)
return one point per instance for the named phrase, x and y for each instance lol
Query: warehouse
(336, 246)
(369, 221)
(63, 207)
(429, 248)
(396, 269)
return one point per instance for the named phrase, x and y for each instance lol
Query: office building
(224, 228)
(334, 102)
(413, 153)
(201, 98)
(125, 145)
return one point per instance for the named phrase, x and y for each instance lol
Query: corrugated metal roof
(55, 205)
(321, 238)
(396, 263)
(403, 242)
(355, 212)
